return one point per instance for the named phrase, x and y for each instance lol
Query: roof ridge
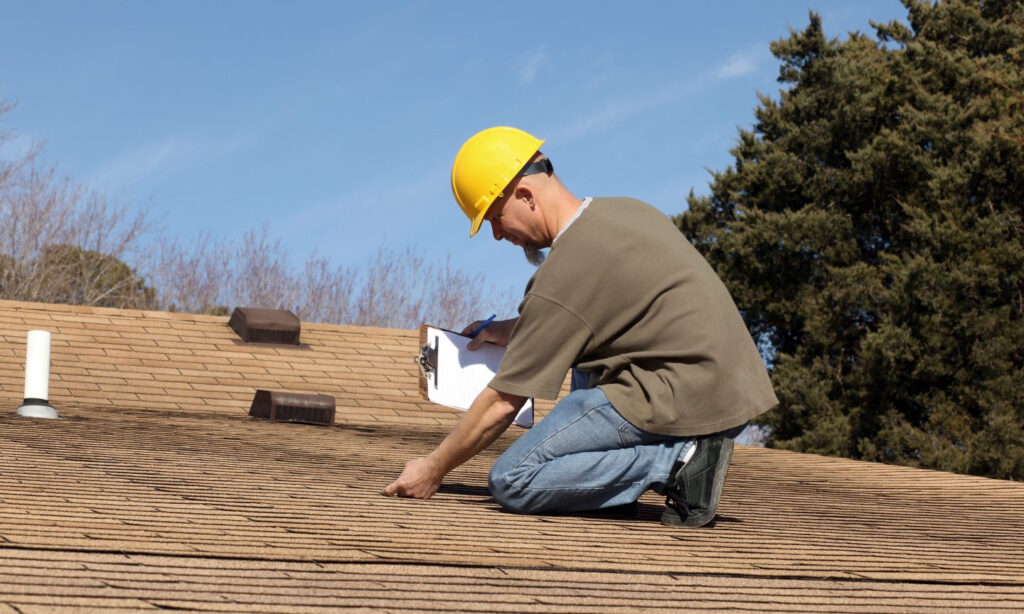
(156, 314)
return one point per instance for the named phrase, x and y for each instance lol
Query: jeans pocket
(630, 436)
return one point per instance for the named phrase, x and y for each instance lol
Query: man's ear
(524, 193)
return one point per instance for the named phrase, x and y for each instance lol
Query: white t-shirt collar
(583, 205)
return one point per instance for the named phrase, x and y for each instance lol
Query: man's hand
(419, 480)
(488, 417)
(498, 332)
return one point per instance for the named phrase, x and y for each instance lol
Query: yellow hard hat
(485, 165)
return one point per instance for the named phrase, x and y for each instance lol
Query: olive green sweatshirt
(624, 296)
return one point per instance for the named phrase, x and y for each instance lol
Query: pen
(477, 330)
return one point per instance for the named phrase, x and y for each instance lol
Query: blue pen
(483, 326)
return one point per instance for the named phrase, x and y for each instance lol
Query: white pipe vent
(37, 377)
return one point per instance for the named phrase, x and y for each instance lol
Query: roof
(156, 491)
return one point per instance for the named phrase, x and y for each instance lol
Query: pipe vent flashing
(293, 407)
(265, 325)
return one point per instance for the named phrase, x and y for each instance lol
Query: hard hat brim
(478, 222)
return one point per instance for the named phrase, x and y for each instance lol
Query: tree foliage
(871, 230)
(74, 276)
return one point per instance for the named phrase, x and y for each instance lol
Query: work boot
(695, 486)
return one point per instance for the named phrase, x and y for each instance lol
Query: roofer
(664, 371)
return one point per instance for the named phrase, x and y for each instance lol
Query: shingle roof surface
(156, 490)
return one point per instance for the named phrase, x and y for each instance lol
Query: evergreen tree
(74, 276)
(871, 231)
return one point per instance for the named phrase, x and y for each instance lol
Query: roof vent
(265, 325)
(293, 407)
(37, 377)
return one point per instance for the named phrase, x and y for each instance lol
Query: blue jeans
(582, 456)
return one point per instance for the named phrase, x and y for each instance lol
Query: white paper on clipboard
(459, 374)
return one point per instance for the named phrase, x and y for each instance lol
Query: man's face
(507, 219)
(510, 218)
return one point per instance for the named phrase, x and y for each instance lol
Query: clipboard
(453, 376)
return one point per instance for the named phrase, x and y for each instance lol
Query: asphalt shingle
(156, 490)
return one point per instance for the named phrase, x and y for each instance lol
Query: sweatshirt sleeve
(545, 344)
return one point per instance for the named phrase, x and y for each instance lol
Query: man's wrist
(435, 465)
(506, 329)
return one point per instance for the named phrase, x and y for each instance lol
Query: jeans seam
(588, 489)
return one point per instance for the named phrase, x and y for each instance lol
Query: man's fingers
(471, 327)
(417, 481)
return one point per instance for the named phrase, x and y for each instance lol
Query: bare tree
(394, 289)
(189, 279)
(61, 242)
(327, 291)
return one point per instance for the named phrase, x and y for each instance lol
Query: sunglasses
(540, 166)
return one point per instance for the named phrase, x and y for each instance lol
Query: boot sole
(670, 518)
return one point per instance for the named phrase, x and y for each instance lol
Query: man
(665, 373)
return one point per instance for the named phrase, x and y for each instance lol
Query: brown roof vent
(265, 325)
(293, 407)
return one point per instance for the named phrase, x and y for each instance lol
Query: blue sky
(335, 123)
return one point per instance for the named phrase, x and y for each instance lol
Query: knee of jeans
(508, 496)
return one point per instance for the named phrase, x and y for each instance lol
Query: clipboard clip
(427, 360)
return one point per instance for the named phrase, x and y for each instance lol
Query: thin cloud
(357, 214)
(531, 65)
(741, 63)
(164, 157)
(617, 110)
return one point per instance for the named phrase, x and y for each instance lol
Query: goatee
(534, 255)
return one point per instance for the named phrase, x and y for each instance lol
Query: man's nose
(496, 231)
